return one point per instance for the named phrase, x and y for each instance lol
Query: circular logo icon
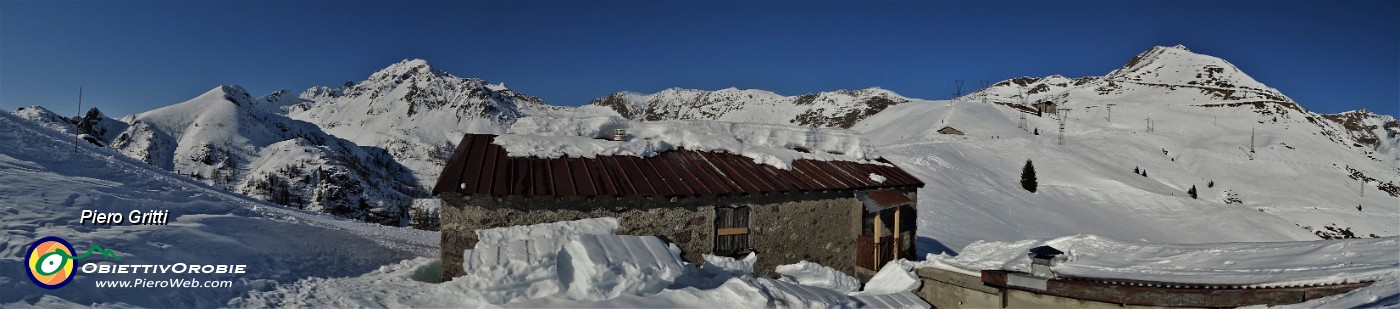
(50, 262)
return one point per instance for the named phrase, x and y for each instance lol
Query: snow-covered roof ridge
(772, 144)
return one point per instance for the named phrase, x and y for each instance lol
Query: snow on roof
(1261, 264)
(776, 145)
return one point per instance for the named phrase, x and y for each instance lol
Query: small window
(732, 231)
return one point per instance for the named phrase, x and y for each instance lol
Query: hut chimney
(1043, 258)
(619, 134)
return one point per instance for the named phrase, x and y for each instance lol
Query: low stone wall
(788, 228)
(948, 289)
(784, 227)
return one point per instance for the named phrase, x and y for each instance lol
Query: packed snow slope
(1304, 179)
(46, 181)
(836, 109)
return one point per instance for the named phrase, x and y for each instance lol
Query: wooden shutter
(731, 231)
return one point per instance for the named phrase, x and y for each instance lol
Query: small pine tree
(1192, 192)
(1211, 184)
(1037, 131)
(1028, 177)
(1144, 172)
(1136, 171)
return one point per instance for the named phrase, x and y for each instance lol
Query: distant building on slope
(950, 130)
(1045, 107)
(838, 213)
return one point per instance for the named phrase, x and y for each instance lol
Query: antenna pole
(984, 91)
(1110, 112)
(77, 135)
(958, 92)
(1064, 116)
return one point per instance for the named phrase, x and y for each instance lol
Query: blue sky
(134, 56)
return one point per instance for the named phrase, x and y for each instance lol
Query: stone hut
(950, 131)
(851, 216)
(1045, 107)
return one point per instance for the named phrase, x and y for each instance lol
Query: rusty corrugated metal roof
(881, 199)
(480, 167)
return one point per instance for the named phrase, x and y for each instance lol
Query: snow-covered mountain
(228, 139)
(1172, 73)
(1176, 78)
(414, 112)
(1263, 167)
(45, 181)
(376, 143)
(835, 109)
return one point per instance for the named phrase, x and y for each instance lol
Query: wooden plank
(732, 231)
(895, 253)
(877, 243)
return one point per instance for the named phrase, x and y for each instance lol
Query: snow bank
(555, 231)
(896, 277)
(606, 266)
(574, 264)
(776, 145)
(727, 265)
(1259, 264)
(813, 274)
(511, 264)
